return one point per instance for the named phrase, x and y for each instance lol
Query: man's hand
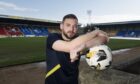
(101, 38)
(74, 53)
(103, 35)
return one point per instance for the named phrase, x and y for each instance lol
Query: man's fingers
(103, 34)
(72, 60)
(100, 32)
(75, 58)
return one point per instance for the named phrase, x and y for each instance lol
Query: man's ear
(61, 26)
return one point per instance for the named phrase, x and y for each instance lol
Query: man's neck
(65, 38)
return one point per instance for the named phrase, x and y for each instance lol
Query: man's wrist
(84, 50)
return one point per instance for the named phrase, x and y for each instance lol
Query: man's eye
(68, 25)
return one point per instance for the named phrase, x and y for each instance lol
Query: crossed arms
(78, 44)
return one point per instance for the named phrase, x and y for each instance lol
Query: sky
(102, 11)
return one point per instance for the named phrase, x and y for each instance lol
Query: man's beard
(68, 37)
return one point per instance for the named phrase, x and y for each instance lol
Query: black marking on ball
(109, 64)
(98, 66)
(102, 55)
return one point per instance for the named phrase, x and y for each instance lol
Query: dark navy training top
(59, 68)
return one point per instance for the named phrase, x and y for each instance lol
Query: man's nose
(72, 28)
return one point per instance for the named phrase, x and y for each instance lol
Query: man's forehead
(70, 20)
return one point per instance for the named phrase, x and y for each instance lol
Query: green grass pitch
(21, 50)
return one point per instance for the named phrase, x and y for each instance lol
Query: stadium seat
(39, 31)
(131, 33)
(2, 31)
(122, 33)
(137, 33)
(26, 30)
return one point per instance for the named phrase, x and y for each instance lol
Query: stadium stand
(16, 26)
(26, 30)
(131, 33)
(37, 31)
(137, 33)
(120, 29)
(128, 33)
(2, 31)
(13, 30)
(44, 31)
(121, 33)
(34, 30)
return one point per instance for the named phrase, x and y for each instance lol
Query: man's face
(69, 28)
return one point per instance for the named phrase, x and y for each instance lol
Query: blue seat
(121, 33)
(26, 30)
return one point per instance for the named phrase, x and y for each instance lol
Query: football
(99, 57)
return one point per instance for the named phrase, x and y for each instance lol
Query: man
(62, 58)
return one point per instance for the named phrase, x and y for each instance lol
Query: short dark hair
(72, 16)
